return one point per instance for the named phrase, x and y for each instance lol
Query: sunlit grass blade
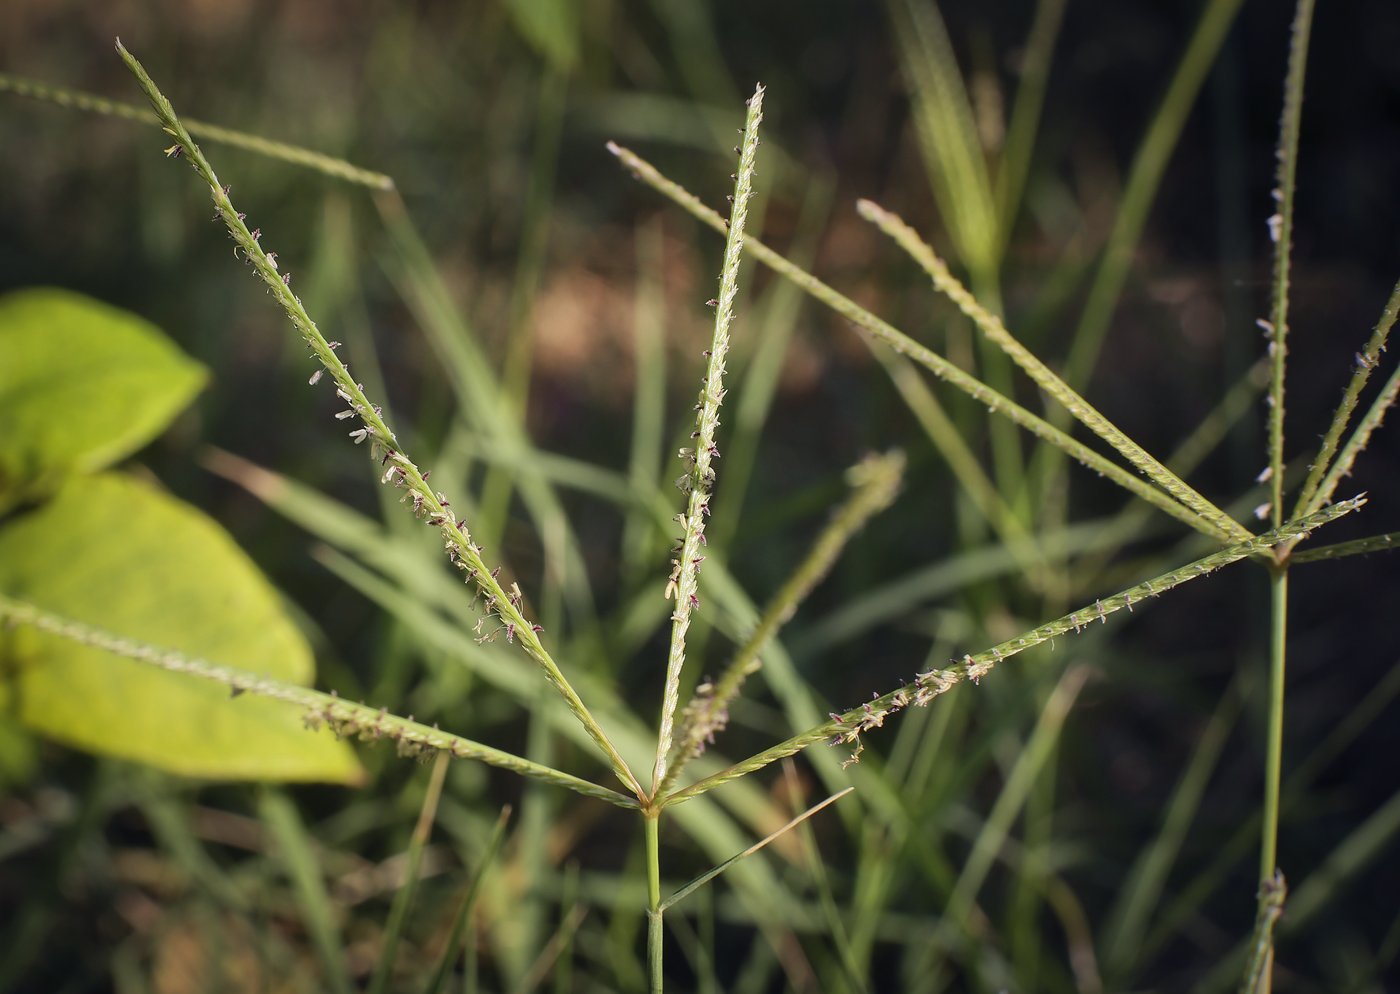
(1367, 360)
(294, 154)
(648, 396)
(299, 858)
(709, 875)
(849, 309)
(529, 271)
(403, 900)
(947, 133)
(556, 945)
(876, 481)
(1007, 807)
(1021, 130)
(835, 926)
(345, 717)
(1068, 398)
(1143, 886)
(462, 921)
(846, 727)
(780, 310)
(384, 444)
(479, 396)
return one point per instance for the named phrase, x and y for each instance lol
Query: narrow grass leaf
(403, 900)
(463, 918)
(297, 852)
(709, 875)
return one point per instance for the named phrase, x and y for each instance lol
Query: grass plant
(926, 863)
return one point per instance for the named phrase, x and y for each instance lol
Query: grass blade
(709, 875)
(1025, 114)
(1142, 888)
(817, 869)
(295, 849)
(464, 913)
(403, 900)
(946, 438)
(648, 397)
(947, 133)
(1008, 805)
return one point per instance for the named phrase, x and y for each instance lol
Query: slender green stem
(698, 481)
(905, 345)
(1366, 361)
(655, 934)
(464, 913)
(1271, 887)
(344, 717)
(991, 326)
(384, 445)
(403, 900)
(90, 102)
(989, 841)
(877, 481)
(1273, 752)
(1025, 114)
(847, 727)
(1273, 891)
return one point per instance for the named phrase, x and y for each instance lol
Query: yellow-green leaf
(82, 384)
(120, 554)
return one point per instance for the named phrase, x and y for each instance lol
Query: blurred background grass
(494, 136)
